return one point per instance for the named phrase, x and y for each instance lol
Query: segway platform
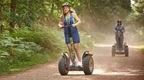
(75, 68)
(124, 50)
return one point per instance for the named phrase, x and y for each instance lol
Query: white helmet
(66, 4)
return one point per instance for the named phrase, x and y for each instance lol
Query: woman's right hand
(60, 26)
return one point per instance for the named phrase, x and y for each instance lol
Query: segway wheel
(63, 66)
(126, 51)
(113, 51)
(88, 65)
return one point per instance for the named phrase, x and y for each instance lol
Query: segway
(119, 47)
(87, 64)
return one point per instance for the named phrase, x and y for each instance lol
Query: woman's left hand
(73, 25)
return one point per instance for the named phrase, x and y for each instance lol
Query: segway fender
(65, 54)
(86, 53)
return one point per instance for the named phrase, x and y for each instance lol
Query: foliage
(29, 11)
(28, 46)
(138, 13)
(13, 46)
(86, 40)
(13, 50)
(49, 39)
(101, 15)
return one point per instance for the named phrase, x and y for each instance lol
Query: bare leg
(70, 51)
(77, 50)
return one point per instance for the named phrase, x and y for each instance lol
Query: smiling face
(66, 9)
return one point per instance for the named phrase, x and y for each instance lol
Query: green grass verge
(8, 67)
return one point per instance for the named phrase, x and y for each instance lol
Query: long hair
(71, 10)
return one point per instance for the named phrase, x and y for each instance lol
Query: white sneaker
(79, 63)
(71, 63)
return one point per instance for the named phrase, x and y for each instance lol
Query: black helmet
(119, 21)
(66, 4)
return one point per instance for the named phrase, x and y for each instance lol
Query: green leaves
(28, 46)
(138, 13)
(138, 6)
(28, 12)
(11, 46)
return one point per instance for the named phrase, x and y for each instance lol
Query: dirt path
(106, 68)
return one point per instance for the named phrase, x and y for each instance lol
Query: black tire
(88, 65)
(113, 51)
(63, 66)
(126, 51)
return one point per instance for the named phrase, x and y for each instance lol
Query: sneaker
(79, 63)
(71, 63)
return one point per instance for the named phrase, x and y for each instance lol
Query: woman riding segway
(69, 21)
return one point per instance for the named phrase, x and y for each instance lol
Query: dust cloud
(104, 35)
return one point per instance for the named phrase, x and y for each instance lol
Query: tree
(12, 13)
(138, 12)
(104, 13)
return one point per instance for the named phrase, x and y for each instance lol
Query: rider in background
(69, 21)
(119, 34)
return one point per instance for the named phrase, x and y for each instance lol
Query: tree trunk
(12, 13)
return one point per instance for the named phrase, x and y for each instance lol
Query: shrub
(49, 39)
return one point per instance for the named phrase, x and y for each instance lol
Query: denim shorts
(71, 33)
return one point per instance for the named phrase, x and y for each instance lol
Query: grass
(18, 66)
